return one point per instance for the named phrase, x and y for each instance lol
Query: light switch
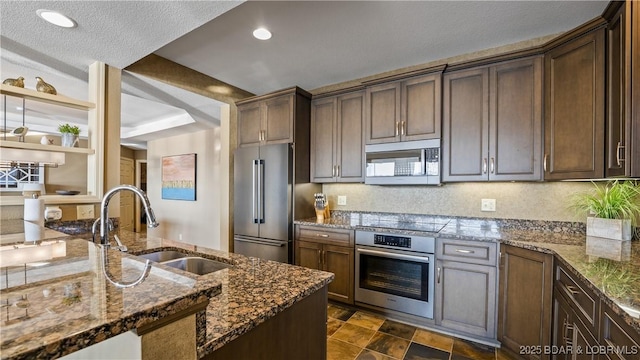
(85, 212)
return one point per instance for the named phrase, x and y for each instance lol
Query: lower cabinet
(572, 339)
(329, 250)
(525, 301)
(466, 284)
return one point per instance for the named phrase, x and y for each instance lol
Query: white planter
(609, 228)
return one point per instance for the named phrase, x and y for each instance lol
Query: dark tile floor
(360, 335)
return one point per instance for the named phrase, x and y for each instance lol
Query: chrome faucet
(104, 213)
(106, 225)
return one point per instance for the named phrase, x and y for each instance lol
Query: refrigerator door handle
(261, 191)
(260, 241)
(254, 190)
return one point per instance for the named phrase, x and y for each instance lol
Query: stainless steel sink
(197, 265)
(162, 256)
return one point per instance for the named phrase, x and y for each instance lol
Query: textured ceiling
(315, 43)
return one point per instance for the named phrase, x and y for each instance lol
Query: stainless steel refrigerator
(267, 195)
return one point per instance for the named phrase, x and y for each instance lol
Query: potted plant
(614, 206)
(69, 134)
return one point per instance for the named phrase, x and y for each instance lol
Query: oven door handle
(422, 259)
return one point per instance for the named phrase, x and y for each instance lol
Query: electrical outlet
(84, 212)
(342, 199)
(488, 205)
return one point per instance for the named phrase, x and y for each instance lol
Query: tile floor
(363, 335)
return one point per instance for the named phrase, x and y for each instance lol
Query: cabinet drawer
(617, 334)
(341, 237)
(585, 303)
(474, 252)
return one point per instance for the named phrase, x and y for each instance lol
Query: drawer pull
(465, 251)
(572, 289)
(438, 276)
(322, 235)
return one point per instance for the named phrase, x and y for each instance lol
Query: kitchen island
(65, 303)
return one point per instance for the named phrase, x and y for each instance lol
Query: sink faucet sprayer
(106, 225)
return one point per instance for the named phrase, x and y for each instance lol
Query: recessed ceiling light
(56, 18)
(262, 34)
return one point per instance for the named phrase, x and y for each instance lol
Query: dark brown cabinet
(574, 108)
(616, 120)
(337, 141)
(273, 118)
(404, 110)
(492, 122)
(329, 250)
(465, 294)
(525, 300)
(615, 332)
(572, 339)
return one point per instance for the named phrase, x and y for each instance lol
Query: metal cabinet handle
(337, 170)
(619, 158)
(397, 128)
(402, 127)
(319, 259)
(484, 165)
(544, 163)
(322, 235)
(465, 251)
(492, 165)
(438, 276)
(566, 327)
(572, 289)
(333, 171)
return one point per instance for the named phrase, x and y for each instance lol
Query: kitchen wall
(533, 201)
(195, 222)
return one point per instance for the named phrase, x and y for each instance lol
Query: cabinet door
(574, 109)
(308, 254)
(383, 113)
(421, 108)
(249, 124)
(465, 125)
(340, 261)
(278, 120)
(515, 120)
(633, 90)
(562, 323)
(466, 298)
(323, 137)
(617, 333)
(617, 115)
(349, 139)
(525, 299)
(582, 340)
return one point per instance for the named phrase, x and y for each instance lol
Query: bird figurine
(42, 86)
(19, 82)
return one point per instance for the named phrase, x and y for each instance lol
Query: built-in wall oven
(395, 272)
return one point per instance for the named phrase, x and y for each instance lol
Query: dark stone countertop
(58, 307)
(614, 276)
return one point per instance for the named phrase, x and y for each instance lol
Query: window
(14, 175)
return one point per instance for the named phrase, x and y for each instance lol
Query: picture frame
(179, 177)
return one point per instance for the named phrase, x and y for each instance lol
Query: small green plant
(67, 128)
(612, 200)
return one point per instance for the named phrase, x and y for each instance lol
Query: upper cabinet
(574, 110)
(404, 110)
(337, 141)
(492, 122)
(271, 118)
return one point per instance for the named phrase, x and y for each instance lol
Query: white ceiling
(315, 43)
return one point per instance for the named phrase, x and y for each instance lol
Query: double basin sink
(193, 264)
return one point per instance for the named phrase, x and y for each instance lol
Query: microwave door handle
(423, 161)
(390, 255)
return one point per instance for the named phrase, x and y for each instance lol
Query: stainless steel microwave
(403, 163)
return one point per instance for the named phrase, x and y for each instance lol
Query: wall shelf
(46, 98)
(33, 146)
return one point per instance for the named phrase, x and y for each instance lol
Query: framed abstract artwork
(179, 177)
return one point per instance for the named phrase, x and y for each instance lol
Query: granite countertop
(56, 308)
(611, 271)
